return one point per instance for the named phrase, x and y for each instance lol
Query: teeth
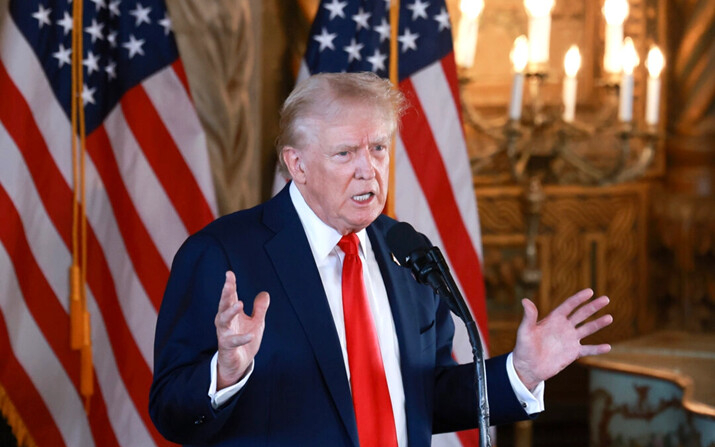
(363, 197)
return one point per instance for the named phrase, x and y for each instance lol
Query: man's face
(342, 172)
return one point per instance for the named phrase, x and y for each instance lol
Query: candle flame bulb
(630, 59)
(539, 8)
(615, 11)
(572, 61)
(655, 62)
(519, 54)
(471, 9)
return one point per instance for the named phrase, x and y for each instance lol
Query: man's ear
(293, 159)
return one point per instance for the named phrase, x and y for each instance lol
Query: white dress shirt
(323, 241)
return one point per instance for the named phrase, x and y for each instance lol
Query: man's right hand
(239, 335)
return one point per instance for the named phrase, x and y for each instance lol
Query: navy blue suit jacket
(298, 394)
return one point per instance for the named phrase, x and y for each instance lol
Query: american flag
(433, 180)
(148, 187)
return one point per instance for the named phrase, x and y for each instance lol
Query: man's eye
(380, 147)
(342, 154)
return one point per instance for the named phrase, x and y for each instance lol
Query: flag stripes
(423, 149)
(148, 187)
(148, 263)
(17, 383)
(165, 159)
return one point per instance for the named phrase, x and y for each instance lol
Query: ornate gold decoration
(589, 237)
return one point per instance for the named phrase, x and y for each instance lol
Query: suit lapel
(400, 287)
(290, 253)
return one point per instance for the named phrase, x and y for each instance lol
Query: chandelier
(540, 144)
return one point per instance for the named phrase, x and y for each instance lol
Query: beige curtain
(219, 44)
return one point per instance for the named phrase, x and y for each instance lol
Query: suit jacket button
(200, 420)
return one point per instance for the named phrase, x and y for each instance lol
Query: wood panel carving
(589, 237)
(683, 249)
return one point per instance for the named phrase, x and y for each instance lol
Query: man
(303, 373)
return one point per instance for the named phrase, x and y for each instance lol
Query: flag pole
(80, 335)
(394, 24)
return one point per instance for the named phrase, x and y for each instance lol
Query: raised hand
(546, 347)
(239, 335)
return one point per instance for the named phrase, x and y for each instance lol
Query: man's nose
(365, 164)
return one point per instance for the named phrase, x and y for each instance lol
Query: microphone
(412, 250)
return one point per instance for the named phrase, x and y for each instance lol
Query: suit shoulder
(226, 229)
(383, 223)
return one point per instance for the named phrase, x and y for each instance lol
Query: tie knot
(349, 244)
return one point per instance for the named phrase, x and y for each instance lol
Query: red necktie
(371, 398)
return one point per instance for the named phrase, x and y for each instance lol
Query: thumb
(531, 313)
(260, 305)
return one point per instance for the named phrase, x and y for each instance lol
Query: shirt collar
(322, 237)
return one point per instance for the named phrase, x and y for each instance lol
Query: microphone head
(404, 241)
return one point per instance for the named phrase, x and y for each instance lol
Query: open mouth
(363, 197)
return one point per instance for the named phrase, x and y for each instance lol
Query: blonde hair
(323, 95)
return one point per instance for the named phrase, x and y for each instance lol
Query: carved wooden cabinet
(588, 237)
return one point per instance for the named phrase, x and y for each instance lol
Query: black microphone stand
(448, 289)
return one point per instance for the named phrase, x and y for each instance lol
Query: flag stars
(383, 29)
(336, 8)
(66, 23)
(112, 39)
(419, 9)
(361, 19)
(141, 15)
(166, 24)
(63, 56)
(408, 40)
(325, 39)
(95, 30)
(134, 46)
(377, 60)
(111, 70)
(42, 15)
(88, 95)
(114, 8)
(91, 61)
(353, 50)
(99, 4)
(443, 19)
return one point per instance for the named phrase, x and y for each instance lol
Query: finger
(223, 319)
(531, 313)
(573, 302)
(594, 349)
(584, 312)
(591, 327)
(260, 306)
(228, 293)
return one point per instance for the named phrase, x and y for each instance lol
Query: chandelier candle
(630, 62)
(572, 63)
(654, 62)
(519, 56)
(468, 31)
(615, 13)
(539, 12)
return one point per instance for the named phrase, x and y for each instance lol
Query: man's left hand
(546, 347)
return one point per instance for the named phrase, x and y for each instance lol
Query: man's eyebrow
(380, 140)
(346, 146)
